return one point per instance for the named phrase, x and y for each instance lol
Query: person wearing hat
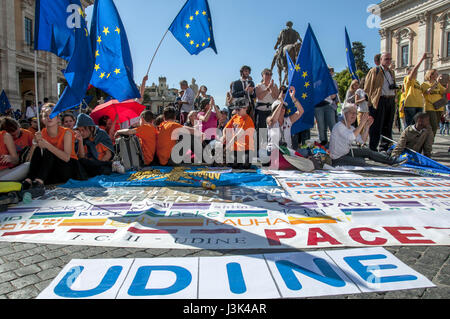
(343, 136)
(95, 148)
(53, 160)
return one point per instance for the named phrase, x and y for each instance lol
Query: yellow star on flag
(102, 75)
(187, 35)
(191, 18)
(108, 75)
(117, 30)
(105, 30)
(297, 68)
(192, 42)
(204, 13)
(97, 67)
(86, 30)
(307, 84)
(304, 96)
(305, 74)
(197, 12)
(99, 39)
(117, 71)
(197, 45)
(203, 44)
(187, 26)
(96, 53)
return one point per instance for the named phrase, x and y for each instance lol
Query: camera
(393, 87)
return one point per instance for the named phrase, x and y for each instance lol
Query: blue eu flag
(113, 67)
(193, 27)
(312, 81)
(291, 67)
(61, 29)
(4, 103)
(350, 57)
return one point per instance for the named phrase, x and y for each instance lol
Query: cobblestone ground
(27, 269)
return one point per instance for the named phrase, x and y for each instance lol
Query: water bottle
(27, 198)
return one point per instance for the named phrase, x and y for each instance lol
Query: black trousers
(94, 167)
(47, 167)
(383, 122)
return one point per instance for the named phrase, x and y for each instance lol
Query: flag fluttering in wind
(291, 66)
(4, 103)
(61, 29)
(350, 57)
(113, 66)
(312, 81)
(192, 27)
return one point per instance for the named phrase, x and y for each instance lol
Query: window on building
(405, 55)
(448, 44)
(28, 31)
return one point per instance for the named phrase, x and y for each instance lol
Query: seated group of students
(57, 153)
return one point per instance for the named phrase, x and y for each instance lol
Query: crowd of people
(75, 147)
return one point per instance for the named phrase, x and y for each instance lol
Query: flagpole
(151, 62)
(36, 91)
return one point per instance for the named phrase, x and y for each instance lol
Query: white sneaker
(118, 168)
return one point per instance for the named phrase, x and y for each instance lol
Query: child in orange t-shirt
(238, 137)
(164, 141)
(146, 133)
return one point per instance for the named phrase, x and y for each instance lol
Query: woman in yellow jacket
(433, 91)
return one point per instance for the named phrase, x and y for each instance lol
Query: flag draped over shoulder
(113, 66)
(61, 29)
(192, 27)
(4, 103)
(350, 57)
(312, 81)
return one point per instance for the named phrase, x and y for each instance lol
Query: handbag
(440, 103)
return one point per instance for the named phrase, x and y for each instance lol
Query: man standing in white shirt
(186, 103)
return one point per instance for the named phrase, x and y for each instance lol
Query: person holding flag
(61, 29)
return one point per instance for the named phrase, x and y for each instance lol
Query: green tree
(359, 51)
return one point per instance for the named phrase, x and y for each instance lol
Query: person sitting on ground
(280, 126)
(68, 120)
(53, 159)
(106, 124)
(9, 159)
(23, 139)
(95, 148)
(158, 120)
(238, 138)
(33, 126)
(418, 137)
(165, 143)
(344, 134)
(147, 134)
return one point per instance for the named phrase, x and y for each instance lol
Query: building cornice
(417, 13)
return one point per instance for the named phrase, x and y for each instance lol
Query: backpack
(10, 193)
(129, 153)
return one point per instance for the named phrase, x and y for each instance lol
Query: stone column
(11, 84)
(423, 39)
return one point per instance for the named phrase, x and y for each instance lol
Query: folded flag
(4, 103)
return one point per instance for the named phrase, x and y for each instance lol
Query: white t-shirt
(30, 112)
(363, 106)
(189, 97)
(277, 135)
(341, 140)
(268, 99)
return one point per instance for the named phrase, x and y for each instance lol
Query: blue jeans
(326, 119)
(410, 113)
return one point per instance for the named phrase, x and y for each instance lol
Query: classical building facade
(17, 56)
(409, 28)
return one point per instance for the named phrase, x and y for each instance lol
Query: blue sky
(245, 32)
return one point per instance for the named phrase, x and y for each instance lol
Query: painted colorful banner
(268, 276)
(314, 212)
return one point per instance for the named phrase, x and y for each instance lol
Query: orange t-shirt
(147, 137)
(4, 150)
(237, 123)
(58, 140)
(164, 142)
(32, 130)
(101, 150)
(25, 139)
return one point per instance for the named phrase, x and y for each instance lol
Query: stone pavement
(26, 269)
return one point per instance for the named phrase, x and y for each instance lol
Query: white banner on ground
(268, 276)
